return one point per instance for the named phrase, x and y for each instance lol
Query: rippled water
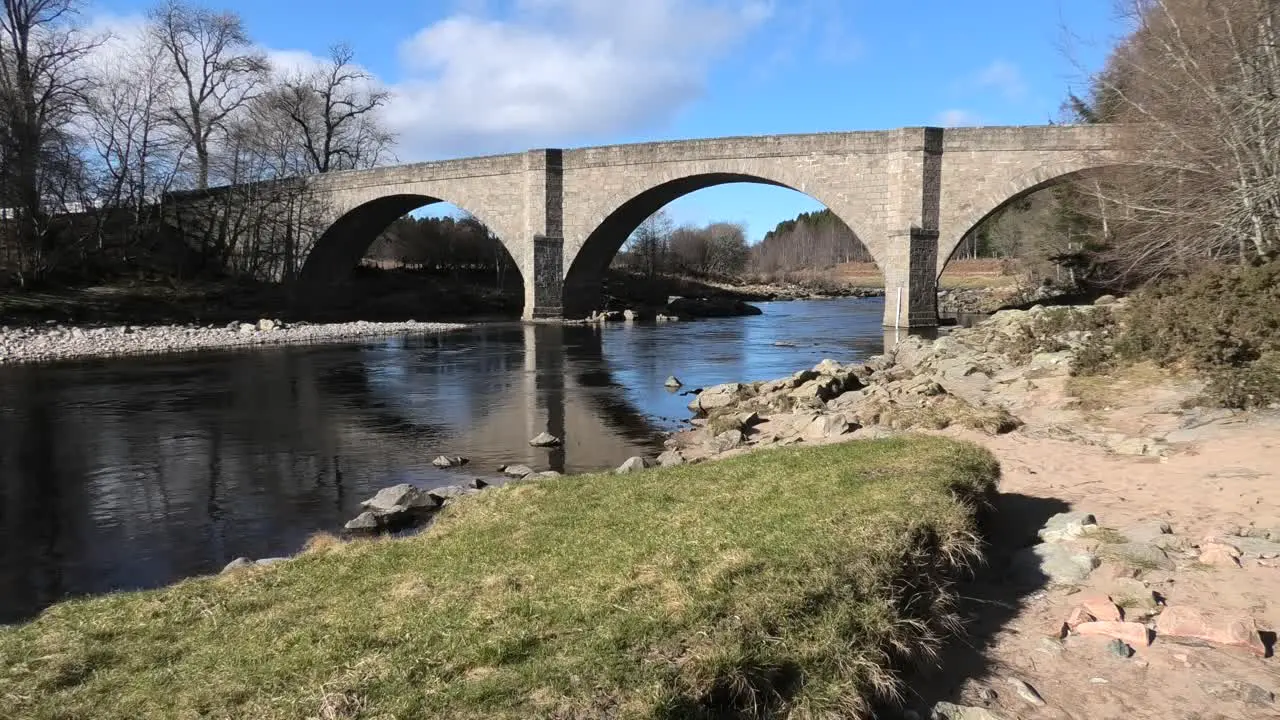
(133, 473)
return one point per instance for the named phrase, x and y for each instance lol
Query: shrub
(1223, 322)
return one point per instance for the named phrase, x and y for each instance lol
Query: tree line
(96, 129)
(439, 244)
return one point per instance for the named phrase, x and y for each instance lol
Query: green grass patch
(783, 582)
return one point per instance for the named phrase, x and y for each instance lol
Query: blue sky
(485, 76)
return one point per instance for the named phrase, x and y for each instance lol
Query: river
(134, 473)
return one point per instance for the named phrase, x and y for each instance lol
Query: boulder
(399, 498)
(1189, 624)
(1053, 563)
(1132, 633)
(365, 522)
(671, 458)
(826, 426)
(449, 461)
(1141, 555)
(1068, 526)
(633, 464)
(630, 315)
(718, 396)
(517, 471)
(238, 563)
(672, 382)
(549, 474)
(725, 441)
(1220, 554)
(265, 325)
(448, 492)
(545, 439)
(820, 390)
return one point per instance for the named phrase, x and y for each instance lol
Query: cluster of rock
(960, 379)
(1137, 611)
(56, 342)
(1142, 560)
(989, 300)
(603, 316)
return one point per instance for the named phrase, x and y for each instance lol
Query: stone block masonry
(910, 195)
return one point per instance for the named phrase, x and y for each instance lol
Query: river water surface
(134, 473)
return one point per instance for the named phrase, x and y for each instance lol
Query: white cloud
(956, 118)
(558, 72)
(550, 73)
(1001, 76)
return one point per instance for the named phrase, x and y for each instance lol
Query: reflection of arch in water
(562, 386)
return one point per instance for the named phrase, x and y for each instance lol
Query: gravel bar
(52, 343)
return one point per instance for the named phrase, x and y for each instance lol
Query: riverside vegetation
(784, 581)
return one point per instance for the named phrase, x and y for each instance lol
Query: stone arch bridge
(910, 195)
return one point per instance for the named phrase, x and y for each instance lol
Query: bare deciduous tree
(1203, 79)
(218, 70)
(42, 84)
(333, 111)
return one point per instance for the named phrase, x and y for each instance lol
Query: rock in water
(365, 522)
(517, 471)
(672, 382)
(545, 439)
(447, 461)
(399, 498)
(633, 464)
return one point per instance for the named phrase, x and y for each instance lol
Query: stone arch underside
(585, 272)
(988, 203)
(340, 248)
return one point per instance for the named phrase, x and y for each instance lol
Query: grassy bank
(784, 580)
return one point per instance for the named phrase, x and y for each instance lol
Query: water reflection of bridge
(506, 385)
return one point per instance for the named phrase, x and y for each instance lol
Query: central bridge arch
(585, 273)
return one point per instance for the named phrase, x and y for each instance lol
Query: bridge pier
(910, 285)
(543, 263)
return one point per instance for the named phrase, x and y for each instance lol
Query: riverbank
(1150, 583)
(52, 342)
(765, 584)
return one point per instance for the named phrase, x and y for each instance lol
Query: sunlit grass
(783, 580)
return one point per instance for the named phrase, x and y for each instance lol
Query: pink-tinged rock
(1241, 633)
(1102, 608)
(1079, 615)
(1219, 555)
(1183, 622)
(1189, 623)
(1136, 634)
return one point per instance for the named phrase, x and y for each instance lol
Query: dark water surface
(134, 473)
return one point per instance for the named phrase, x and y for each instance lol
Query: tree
(1203, 80)
(333, 111)
(647, 247)
(218, 70)
(42, 86)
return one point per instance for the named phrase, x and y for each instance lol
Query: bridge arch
(612, 222)
(989, 201)
(339, 249)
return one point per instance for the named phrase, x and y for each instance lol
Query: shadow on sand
(989, 601)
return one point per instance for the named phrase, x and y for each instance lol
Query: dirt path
(1219, 480)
